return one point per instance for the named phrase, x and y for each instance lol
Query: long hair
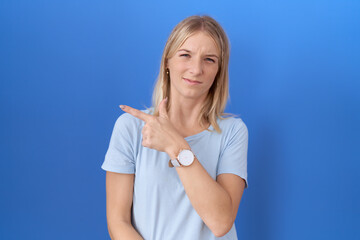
(218, 94)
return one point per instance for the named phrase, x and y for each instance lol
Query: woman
(147, 197)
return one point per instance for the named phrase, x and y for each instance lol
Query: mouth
(191, 82)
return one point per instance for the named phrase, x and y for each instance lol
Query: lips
(191, 82)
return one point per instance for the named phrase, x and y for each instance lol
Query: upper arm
(119, 195)
(233, 158)
(234, 186)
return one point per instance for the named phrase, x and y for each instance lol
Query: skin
(216, 201)
(197, 59)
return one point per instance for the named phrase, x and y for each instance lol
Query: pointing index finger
(136, 113)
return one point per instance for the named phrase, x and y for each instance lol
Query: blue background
(65, 66)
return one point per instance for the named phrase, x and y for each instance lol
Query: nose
(196, 67)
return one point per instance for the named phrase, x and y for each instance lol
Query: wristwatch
(185, 158)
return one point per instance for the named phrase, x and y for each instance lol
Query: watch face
(186, 157)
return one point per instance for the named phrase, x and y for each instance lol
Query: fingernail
(166, 99)
(122, 106)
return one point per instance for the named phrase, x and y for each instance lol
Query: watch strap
(174, 163)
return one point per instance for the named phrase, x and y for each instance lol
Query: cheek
(176, 64)
(177, 71)
(212, 73)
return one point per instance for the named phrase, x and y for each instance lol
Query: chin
(193, 95)
(189, 93)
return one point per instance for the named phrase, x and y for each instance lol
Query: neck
(184, 112)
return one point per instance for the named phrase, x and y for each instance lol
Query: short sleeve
(120, 156)
(233, 158)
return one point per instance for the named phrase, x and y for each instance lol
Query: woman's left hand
(158, 132)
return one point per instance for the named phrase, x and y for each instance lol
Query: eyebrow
(207, 55)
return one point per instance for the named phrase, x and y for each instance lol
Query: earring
(167, 71)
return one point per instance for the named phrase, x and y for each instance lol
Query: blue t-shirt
(161, 209)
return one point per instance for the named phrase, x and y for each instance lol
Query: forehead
(200, 41)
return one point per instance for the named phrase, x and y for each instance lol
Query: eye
(210, 60)
(184, 55)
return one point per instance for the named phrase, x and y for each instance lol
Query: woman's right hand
(158, 131)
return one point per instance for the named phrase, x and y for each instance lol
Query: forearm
(122, 230)
(209, 199)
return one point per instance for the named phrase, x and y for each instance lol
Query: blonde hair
(218, 94)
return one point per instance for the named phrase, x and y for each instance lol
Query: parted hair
(218, 94)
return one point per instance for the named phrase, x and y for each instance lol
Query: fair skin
(192, 72)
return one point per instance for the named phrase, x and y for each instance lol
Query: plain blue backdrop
(65, 66)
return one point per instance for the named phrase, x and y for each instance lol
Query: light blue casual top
(161, 209)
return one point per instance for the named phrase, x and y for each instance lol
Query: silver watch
(185, 158)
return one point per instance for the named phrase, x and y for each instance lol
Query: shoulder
(232, 125)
